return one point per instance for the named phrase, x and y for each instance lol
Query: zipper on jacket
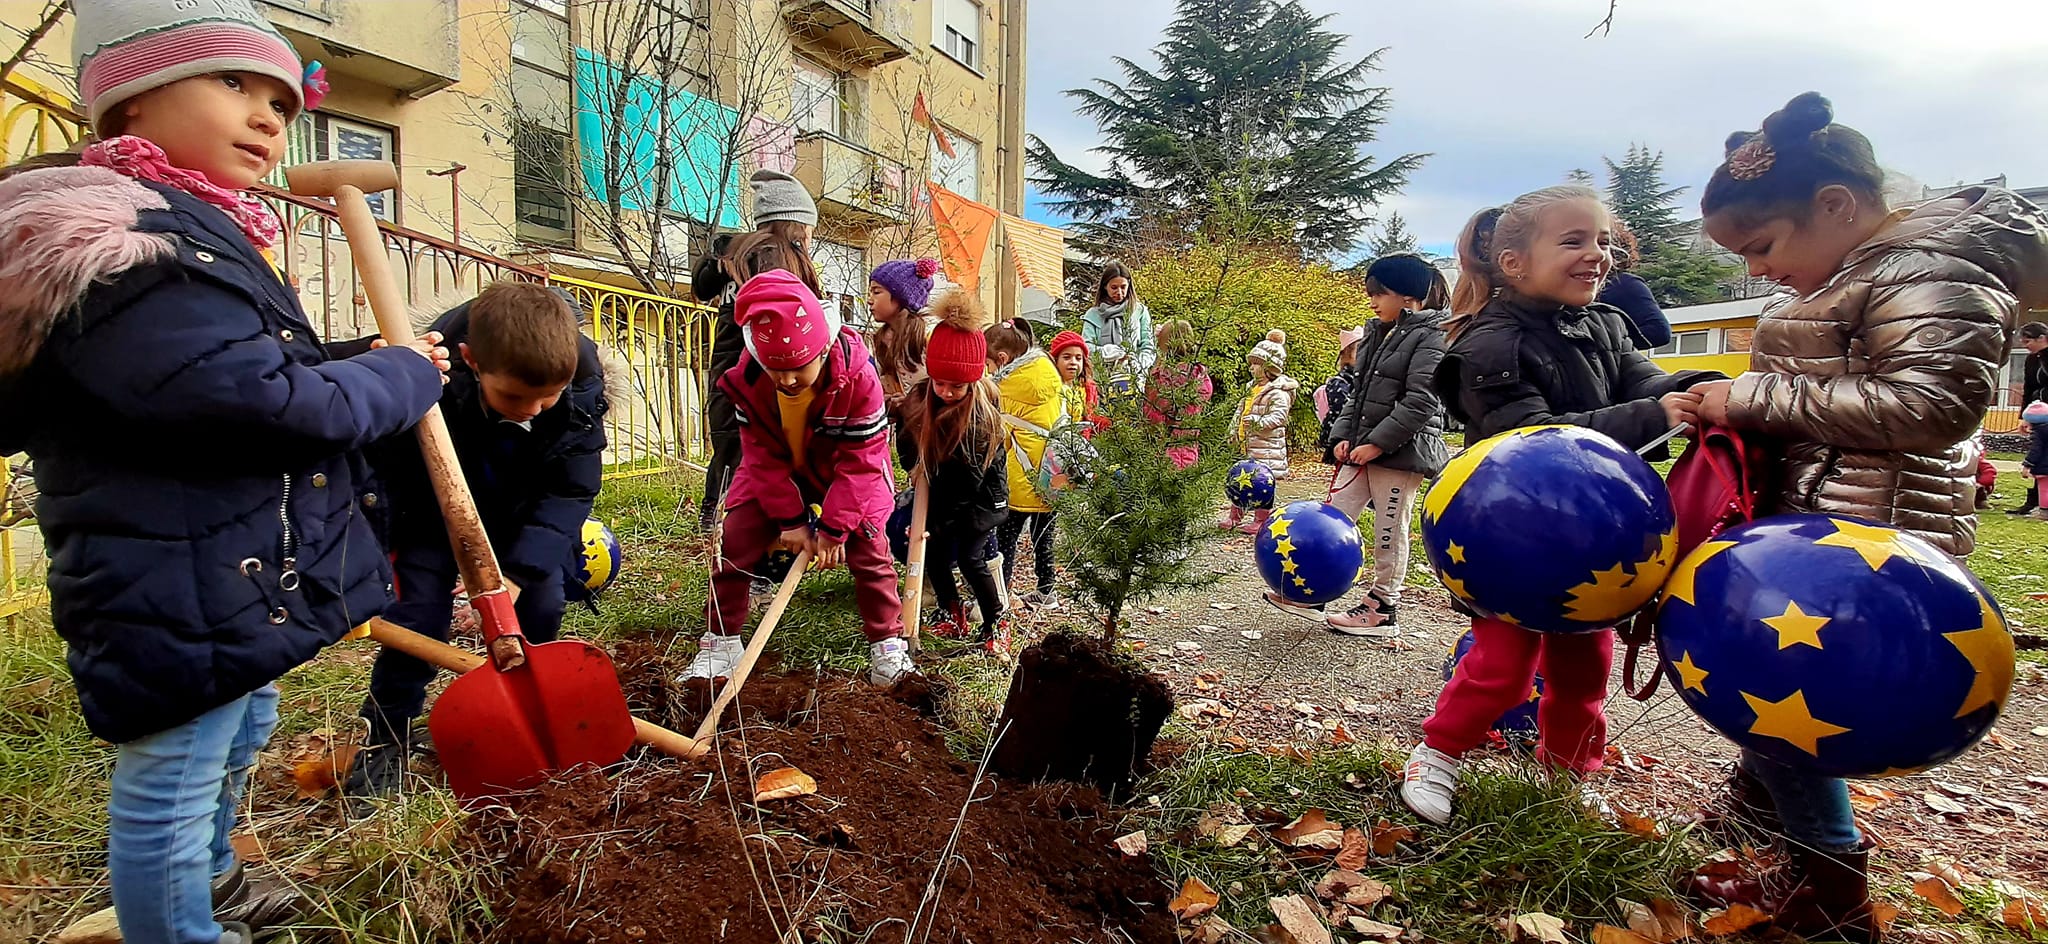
(288, 578)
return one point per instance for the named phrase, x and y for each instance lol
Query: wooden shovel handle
(913, 562)
(472, 546)
(754, 647)
(437, 653)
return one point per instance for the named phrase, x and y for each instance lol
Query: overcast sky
(1508, 94)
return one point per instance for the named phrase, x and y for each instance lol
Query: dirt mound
(674, 852)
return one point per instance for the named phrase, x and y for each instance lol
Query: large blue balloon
(1250, 485)
(1518, 722)
(594, 562)
(1836, 645)
(1558, 529)
(1309, 553)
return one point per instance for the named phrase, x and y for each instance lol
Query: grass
(1521, 844)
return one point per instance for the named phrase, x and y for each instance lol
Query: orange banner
(964, 230)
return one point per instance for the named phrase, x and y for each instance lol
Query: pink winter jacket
(846, 463)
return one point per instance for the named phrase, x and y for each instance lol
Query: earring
(1852, 219)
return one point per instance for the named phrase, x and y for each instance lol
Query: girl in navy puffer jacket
(195, 450)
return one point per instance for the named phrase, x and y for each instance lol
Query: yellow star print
(1455, 473)
(1990, 651)
(1875, 545)
(1283, 547)
(1457, 588)
(1279, 525)
(1301, 582)
(1456, 551)
(1288, 565)
(1690, 675)
(1796, 627)
(1681, 585)
(1244, 479)
(1790, 721)
(1605, 598)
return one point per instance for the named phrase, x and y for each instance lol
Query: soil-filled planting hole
(667, 851)
(1079, 712)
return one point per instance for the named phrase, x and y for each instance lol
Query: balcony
(852, 182)
(860, 32)
(414, 48)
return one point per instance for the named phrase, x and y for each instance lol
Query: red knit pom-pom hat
(957, 351)
(784, 325)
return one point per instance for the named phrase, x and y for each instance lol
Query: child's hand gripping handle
(346, 182)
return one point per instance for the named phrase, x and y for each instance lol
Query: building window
(818, 99)
(1688, 343)
(960, 173)
(318, 136)
(543, 149)
(956, 30)
(2011, 386)
(843, 274)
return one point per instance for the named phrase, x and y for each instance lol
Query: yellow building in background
(1712, 337)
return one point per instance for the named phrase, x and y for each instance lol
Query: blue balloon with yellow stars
(594, 562)
(1518, 722)
(1250, 485)
(1309, 553)
(1835, 645)
(1558, 529)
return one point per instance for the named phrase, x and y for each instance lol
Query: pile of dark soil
(663, 851)
(1081, 712)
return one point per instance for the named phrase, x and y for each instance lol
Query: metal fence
(662, 347)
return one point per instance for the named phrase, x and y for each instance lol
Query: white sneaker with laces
(888, 662)
(1428, 783)
(717, 656)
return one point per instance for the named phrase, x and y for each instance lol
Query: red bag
(1718, 483)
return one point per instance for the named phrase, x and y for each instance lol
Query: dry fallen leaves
(1639, 825)
(782, 784)
(2025, 914)
(1939, 894)
(1348, 887)
(1865, 797)
(1539, 928)
(1132, 844)
(1298, 915)
(1609, 934)
(1211, 930)
(1354, 851)
(1312, 830)
(1661, 921)
(1387, 837)
(320, 765)
(1341, 735)
(1195, 900)
(247, 848)
(1735, 920)
(1374, 930)
(1942, 804)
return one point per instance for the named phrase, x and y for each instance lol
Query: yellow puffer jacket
(1873, 384)
(1030, 388)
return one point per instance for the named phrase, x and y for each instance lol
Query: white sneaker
(1428, 783)
(717, 656)
(1594, 803)
(888, 662)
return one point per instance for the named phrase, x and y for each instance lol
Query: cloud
(1508, 96)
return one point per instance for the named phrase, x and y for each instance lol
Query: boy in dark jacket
(525, 406)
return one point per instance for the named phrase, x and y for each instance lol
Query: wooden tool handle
(913, 562)
(754, 647)
(472, 546)
(437, 653)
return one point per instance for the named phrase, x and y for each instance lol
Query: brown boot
(1745, 814)
(1820, 896)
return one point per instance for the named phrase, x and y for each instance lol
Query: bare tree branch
(1605, 27)
(51, 14)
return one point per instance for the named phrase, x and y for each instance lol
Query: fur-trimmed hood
(63, 229)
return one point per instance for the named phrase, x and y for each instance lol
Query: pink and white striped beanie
(127, 47)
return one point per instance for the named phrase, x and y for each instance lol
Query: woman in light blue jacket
(1119, 330)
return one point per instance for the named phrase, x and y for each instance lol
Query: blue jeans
(1815, 809)
(175, 797)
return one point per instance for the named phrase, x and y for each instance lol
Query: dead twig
(1606, 26)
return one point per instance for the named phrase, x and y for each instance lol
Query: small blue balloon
(594, 562)
(1835, 645)
(1308, 552)
(1250, 485)
(1557, 529)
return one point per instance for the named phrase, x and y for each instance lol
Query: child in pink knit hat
(813, 431)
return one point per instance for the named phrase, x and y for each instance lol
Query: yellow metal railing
(33, 120)
(662, 347)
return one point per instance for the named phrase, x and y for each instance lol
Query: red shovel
(535, 708)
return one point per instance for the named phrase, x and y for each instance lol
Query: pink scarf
(142, 159)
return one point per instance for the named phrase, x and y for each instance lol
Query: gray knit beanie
(778, 196)
(1272, 350)
(124, 48)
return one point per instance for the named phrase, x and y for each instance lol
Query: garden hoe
(536, 708)
(913, 561)
(701, 743)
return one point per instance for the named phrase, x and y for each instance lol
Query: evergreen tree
(1679, 275)
(1637, 195)
(1580, 176)
(1253, 120)
(1393, 237)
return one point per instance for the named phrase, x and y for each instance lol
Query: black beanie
(1403, 274)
